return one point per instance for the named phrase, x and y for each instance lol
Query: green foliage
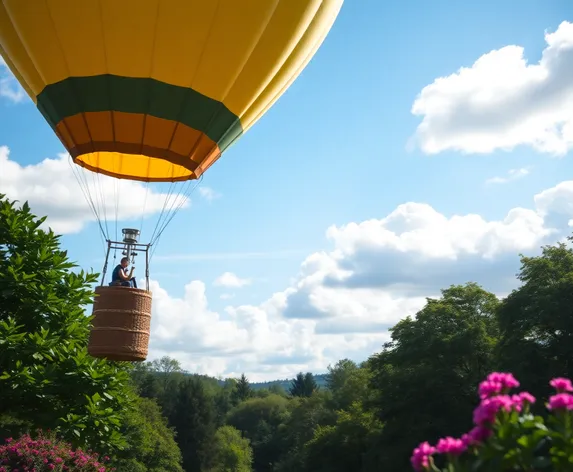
(348, 383)
(364, 418)
(46, 453)
(536, 320)
(277, 389)
(260, 420)
(233, 453)
(420, 386)
(303, 385)
(223, 401)
(194, 420)
(47, 377)
(511, 438)
(152, 445)
(242, 390)
(341, 447)
(447, 349)
(307, 415)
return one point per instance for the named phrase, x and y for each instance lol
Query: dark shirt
(115, 274)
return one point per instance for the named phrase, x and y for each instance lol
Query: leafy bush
(507, 435)
(47, 378)
(232, 451)
(152, 446)
(46, 453)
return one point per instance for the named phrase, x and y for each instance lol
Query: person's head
(124, 262)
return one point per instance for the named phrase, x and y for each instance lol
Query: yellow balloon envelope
(156, 90)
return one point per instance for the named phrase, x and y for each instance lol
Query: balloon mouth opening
(138, 167)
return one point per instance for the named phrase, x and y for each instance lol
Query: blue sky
(337, 148)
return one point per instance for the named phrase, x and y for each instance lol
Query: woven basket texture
(121, 324)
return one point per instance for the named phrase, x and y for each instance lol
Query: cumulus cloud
(10, 89)
(228, 279)
(208, 193)
(343, 300)
(512, 174)
(51, 189)
(502, 101)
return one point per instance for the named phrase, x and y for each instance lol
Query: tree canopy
(47, 378)
(420, 386)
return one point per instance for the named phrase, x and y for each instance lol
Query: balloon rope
(167, 196)
(184, 198)
(144, 206)
(87, 195)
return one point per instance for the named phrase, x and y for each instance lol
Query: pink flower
(489, 388)
(561, 401)
(522, 399)
(526, 397)
(478, 435)
(421, 457)
(561, 384)
(486, 412)
(496, 383)
(517, 403)
(451, 446)
(507, 380)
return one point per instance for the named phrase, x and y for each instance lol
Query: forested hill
(320, 380)
(284, 384)
(154, 417)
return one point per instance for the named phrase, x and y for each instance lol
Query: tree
(145, 380)
(194, 420)
(260, 420)
(536, 320)
(424, 380)
(303, 385)
(277, 389)
(348, 383)
(152, 445)
(166, 368)
(233, 453)
(223, 401)
(307, 415)
(343, 446)
(47, 378)
(242, 390)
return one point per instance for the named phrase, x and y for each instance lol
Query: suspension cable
(85, 190)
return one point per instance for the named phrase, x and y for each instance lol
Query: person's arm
(122, 275)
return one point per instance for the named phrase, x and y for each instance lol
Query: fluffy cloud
(344, 300)
(9, 87)
(512, 174)
(228, 279)
(208, 193)
(502, 101)
(51, 188)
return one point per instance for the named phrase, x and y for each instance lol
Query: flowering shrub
(506, 435)
(46, 454)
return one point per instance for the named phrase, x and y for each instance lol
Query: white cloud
(502, 101)
(343, 301)
(512, 174)
(10, 89)
(51, 189)
(208, 193)
(228, 279)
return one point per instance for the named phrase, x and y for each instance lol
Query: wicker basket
(121, 324)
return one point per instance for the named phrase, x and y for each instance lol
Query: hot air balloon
(153, 91)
